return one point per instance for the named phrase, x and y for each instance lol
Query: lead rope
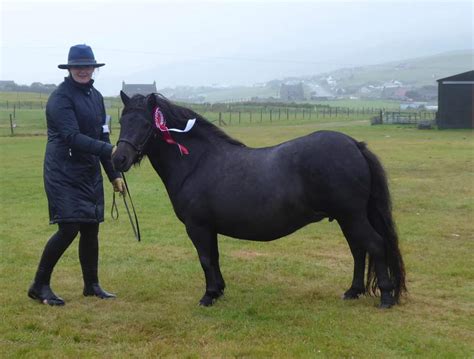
(135, 226)
(114, 208)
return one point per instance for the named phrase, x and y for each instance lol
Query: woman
(78, 139)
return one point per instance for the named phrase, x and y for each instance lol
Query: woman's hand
(119, 185)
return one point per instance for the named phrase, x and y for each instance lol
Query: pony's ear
(125, 98)
(151, 101)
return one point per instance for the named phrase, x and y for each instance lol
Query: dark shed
(456, 101)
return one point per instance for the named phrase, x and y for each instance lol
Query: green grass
(283, 297)
(363, 104)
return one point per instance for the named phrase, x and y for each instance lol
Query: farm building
(138, 89)
(7, 85)
(456, 101)
(292, 92)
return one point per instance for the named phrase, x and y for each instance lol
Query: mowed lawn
(282, 298)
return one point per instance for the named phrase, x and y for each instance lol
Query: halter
(138, 148)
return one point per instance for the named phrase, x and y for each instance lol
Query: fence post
(14, 111)
(250, 116)
(239, 117)
(220, 118)
(261, 114)
(11, 124)
(271, 115)
(287, 113)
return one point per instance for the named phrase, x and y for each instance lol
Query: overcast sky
(240, 42)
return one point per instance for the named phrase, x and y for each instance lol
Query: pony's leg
(358, 253)
(217, 268)
(205, 242)
(359, 230)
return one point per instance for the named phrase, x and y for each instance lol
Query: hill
(390, 80)
(418, 72)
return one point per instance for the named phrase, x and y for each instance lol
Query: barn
(138, 89)
(456, 101)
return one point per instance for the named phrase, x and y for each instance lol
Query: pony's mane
(177, 116)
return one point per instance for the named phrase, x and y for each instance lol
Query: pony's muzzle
(120, 163)
(122, 159)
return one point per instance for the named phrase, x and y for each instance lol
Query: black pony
(218, 185)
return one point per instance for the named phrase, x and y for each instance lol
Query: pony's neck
(172, 166)
(204, 139)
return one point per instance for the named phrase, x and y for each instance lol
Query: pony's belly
(268, 229)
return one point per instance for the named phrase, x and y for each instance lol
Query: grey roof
(138, 89)
(465, 76)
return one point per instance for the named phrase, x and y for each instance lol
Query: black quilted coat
(78, 142)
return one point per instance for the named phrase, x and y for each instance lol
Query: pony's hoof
(386, 301)
(210, 298)
(352, 294)
(207, 301)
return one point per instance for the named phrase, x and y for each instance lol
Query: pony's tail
(380, 217)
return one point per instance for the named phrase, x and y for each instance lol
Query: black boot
(54, 249)
(43, 294)
(89, 258)
(94, 289)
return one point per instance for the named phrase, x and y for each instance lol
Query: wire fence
(28, 117)
(422, 119)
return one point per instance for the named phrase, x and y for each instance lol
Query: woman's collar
(85, 86)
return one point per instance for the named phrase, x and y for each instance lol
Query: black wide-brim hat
(80, 55)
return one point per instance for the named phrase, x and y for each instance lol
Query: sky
(202, 43)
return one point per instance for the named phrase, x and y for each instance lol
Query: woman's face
(82, 74)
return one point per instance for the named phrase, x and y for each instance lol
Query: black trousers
(60, 241)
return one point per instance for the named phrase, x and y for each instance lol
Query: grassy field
(27, 112)
(28, 122)
(283, 297)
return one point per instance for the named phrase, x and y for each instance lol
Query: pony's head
(136, 130)
(143, 118)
